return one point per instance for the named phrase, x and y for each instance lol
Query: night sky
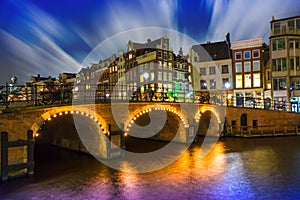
(51, 36)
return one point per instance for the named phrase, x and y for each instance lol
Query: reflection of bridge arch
(68, 110)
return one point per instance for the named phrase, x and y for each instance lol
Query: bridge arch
(216, 112)
(150, 108)
(68, 110)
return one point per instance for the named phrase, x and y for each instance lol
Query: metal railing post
(35, 95)
(4, 156)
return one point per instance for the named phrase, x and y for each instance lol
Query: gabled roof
(83, 70)
(69, 74)
(212, 51)
(40, 78)
(148, 44)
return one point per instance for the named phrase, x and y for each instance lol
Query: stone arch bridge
(115, 128)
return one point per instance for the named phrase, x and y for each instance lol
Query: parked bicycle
(49, 96)
(3, 97)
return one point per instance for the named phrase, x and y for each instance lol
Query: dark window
(233, 124)
(159, 54)
(225, 69)
(202, 71)
(281, 44)
(255, 123)
(291, 25)
(282, 84)
(255, 53)
(277, 28)
(165, 55)
(275, 84)
(238, 55)
(292, 63)
(203, 84)
(212, 70)
(298, 24)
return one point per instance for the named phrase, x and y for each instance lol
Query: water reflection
(235, 169)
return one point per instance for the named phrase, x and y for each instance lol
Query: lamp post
(146, 76)
(227, 86)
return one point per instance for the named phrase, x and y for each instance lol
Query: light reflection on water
(266, 168)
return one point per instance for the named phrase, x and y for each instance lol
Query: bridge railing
(257, 131)
(37, 95)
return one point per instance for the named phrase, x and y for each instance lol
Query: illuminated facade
(285, 54)
(247, 71)
(212, 70)
(147, 71)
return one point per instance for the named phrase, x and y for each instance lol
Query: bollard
(4, 156)
(30, 153)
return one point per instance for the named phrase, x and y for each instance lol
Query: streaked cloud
(24, 59)
(39, 41)
(247, 19)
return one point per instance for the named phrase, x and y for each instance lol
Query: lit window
(238, 67)
(165, 76)
(152, 76)
(247, 66)
(225, 80)
(159, 76)
(239, 81)
(247, 55)
(159, 64)
(141, 78)
(151, 65)
(256, 65)
(247, 80)
(238, 55)
(212, 84)
(170, 77)
(256, 80)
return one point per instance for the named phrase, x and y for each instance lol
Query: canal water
(236, 168)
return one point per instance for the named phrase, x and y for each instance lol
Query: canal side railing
(263, 131)
(11, 160)
(16, 96)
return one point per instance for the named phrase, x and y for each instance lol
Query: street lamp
(146, 76)
(227, 86)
